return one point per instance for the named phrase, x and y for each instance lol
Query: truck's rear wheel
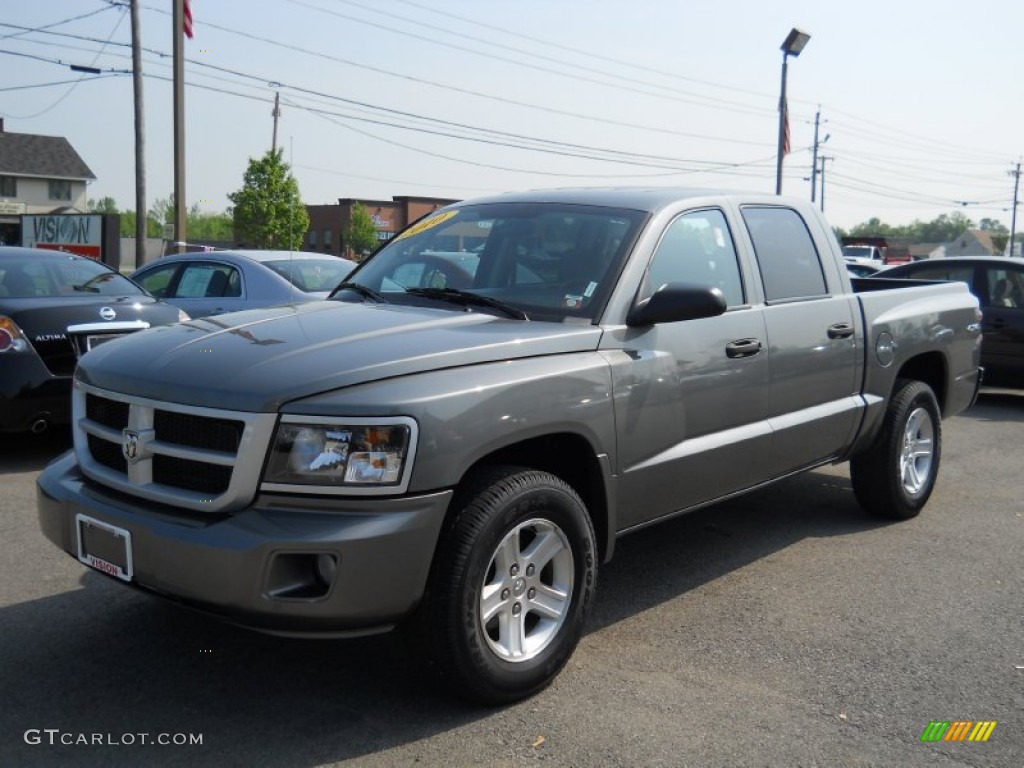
(511, 585)
(895, 477)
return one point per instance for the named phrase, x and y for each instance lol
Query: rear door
(812, 331)
(205, 288)
(1001, 292)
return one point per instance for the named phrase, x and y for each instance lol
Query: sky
(920, 104)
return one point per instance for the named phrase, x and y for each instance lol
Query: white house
(38, 175)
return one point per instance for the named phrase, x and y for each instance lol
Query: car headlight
(371, 456)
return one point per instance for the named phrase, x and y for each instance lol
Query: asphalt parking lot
(781, 629)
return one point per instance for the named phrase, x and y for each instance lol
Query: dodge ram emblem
(130, 445)
(107, 313)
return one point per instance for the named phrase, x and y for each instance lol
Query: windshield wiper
(362, 290)
(468, 299)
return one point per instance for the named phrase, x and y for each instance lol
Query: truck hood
(260, 359)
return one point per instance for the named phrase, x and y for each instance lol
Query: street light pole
(791, 46)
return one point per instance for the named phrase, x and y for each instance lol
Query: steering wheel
(441, 273)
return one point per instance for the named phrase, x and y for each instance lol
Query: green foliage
(943, 229)
(268, 211)
(103, 205)
(360, 235)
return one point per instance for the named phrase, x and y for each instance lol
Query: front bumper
(256, 567)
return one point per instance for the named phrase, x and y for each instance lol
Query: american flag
(186, 23)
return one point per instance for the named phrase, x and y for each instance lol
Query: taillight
(11, 337)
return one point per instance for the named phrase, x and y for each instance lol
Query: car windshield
(548, 261)
(312, 275)
(75, 276)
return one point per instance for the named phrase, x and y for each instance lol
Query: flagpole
(178, 48)
(791, 46)
(783, 118)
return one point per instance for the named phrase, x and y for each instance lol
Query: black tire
(538, 600)
(895, 477)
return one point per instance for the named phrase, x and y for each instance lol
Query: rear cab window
(788, 261)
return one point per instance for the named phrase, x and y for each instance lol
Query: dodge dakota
(452, 443)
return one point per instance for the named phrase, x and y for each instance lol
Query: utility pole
(822, 172)
(1013, 216)
(276, 113)
(178, 47)
(140, 140)
(814, 157)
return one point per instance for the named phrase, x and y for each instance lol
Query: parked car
(998, 282)
(54, 307)
(227, 281)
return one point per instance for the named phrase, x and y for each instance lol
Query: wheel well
(569, 457)
(929, 368)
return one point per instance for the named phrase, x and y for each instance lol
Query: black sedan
(998, 283)
(54, 307)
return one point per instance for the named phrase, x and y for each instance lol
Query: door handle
(840, 331)
(742, 348)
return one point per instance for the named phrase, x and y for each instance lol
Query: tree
(103, 205)
(360, 235)
(268, 211)
(208, 226)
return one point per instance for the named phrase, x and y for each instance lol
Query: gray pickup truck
(455, 440)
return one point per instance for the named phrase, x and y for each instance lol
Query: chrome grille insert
(202, 459)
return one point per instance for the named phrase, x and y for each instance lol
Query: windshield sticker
(423, 226)
(591, 287)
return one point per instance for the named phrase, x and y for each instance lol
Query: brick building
(328, 222)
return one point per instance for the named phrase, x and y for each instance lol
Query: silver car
(215, 282)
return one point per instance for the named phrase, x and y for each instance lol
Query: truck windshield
(549, 261)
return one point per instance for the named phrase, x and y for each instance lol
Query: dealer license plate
(104, 547)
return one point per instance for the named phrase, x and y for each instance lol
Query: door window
(697, 248)
(1004, 288)
(789, 262)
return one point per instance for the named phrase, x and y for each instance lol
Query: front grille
(183, 456)
(191, 475)
(108, 454)
(109, 413)
(198, 432)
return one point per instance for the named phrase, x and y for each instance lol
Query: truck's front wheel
(511, 585)
(895, 477)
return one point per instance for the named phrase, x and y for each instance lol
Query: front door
(690, 397)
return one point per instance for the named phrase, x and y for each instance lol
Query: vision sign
(76, 233)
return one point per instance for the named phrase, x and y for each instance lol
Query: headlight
(341, 455)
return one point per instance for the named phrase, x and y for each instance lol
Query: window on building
(8, 186)
(60, 190)
(312, 238)
(327, 238)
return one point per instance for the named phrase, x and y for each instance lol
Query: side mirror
(673, 302)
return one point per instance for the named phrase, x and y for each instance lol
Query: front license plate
(104, 547)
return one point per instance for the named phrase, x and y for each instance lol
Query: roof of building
(25, 154)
